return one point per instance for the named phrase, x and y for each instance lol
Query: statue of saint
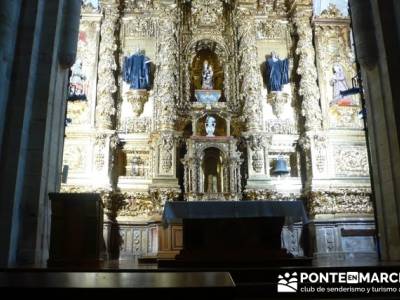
(136, 71)
(211, 123)
(338, 82)
(207, 76)
(76, 89)
(277, 72)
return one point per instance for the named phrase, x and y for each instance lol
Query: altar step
(227, 263)
(198, 283)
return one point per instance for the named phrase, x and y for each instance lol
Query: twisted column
(166, 81)
(249, 77)
(106, 88)
(308, 89)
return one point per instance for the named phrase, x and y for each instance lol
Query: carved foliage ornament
(166, 147)
(138, 163)
(137, 98)
(138, 125)
(345, 117)
(278, 100)
(257, 161)
(74, 157)
(162, 195)
(351, 161)
(280, 127)
(345, 201)
(256, 143)
(138, 5)
(140, 204)
(99, 151)
(271, 30)
(268, 6)
(139, 26)
(207, 12)
(262, 194)
(320, 142)
(78, 112)
(130, 204)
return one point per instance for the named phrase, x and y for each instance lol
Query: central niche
(212, 168)
(211, 57)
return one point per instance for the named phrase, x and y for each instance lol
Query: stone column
(9, 17)
(33, 133)
(379, 67)
(106, 87)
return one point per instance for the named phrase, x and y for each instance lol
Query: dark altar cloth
(293, 211)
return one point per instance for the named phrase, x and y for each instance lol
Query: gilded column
(250, 83)
(249, 75)
(166, 81)
(106, 88)
(308, 88)
(165, 184)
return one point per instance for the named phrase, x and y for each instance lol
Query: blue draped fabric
(136, 71)
(285, 71)
(277, 73)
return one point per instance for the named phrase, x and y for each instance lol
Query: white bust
(211, 122)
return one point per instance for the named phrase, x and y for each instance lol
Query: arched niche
(215, 51)
(212, 166)
(197, 68)
(220, 129)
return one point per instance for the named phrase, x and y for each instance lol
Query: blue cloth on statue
(136, 71)
(277, 73)
(285, 71)
(293, 211)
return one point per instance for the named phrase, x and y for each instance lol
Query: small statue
(207, 75)
(211, 123)
(277, 72)
(76, 89)
(136, 70)
(338, 82)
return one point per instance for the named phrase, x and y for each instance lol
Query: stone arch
(207, 42)
(224, 151)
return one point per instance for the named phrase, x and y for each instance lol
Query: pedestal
(207, 96)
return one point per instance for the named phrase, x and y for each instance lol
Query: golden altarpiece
(142, 147)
